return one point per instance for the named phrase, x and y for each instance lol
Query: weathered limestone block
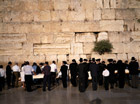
(41, 49)
(60, 5)
(113, 3)
(96, 55)
(130, 25)
(118, 47)
(122, 56)
(63, 37)
(133, 47)
(33, 38)
(11, 52)
(83, 56)
(97, 14)
(47, 51)
(89, 4)
(55, 27)
(76, 48)
(76, 16)
(9, 46)
(76, 57)
(61, 58)
(88, 48)
(4, 59)
(123, 37)
(36, 28)
(127, 14)
(106, 3)
(45, 5)
(108, 14)
(106, 56)
(137, 12)
(85, 37)
(89, 16)
(31, 6)
(7, 38)
(122, 3)
(38, 58)
(99, 3)
(80, 26)
(47, 38)
(6, 16)
(137, 25)
(51, 57)
(112, 25)
(134, 4)
(42, 16)
(28, 48)
(135, 36)
(102, 36)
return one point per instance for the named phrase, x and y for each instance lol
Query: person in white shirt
(106, 78)
(27, 69)
(53, 72)
(2, 75)
(16, 73)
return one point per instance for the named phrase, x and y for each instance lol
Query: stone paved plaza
(71, 95)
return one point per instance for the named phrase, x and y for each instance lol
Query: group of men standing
(102, 74)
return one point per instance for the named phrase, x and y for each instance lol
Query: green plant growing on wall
(138, 20)
(103, 46)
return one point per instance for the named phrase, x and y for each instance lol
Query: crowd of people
(107, 75)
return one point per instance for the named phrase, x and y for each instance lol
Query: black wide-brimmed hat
(110, 60)
(133, 58)
(93, 59)
(98, 59)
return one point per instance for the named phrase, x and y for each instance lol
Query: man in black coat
(133, 67)
(81, 76)
(9, 74)
(73, 71)
(111, 69)
(64, 69)
(94, 68)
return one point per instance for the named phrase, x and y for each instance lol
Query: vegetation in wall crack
(103, 46)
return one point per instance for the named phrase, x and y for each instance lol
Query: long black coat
(81, 70)
(8, 70)
(64, 70)
(73, 69)
(94, 68)
(133, 67)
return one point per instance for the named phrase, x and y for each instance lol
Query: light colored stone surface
(76, 57)
(127, 14)
(39, 30)
(97, 14)
(85, 37)
(123, 56)
(88, 48)
(102, 36)
(76, 48)
(108, 14)
(112, 25)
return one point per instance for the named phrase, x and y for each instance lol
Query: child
(106, 79)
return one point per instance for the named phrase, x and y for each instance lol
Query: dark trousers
(8, 78)
(121, 82)
(94, 82)
(47, 80)
(135, 81)
(1, 83)
(15, 80)
(100, 81)
(53, 77)
(64, 81)
(106, 83)
(28, 82)
(82, 83)
(73, 81)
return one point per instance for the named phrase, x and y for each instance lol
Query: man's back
(94, 68)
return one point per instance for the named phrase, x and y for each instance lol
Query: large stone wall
(40, 30)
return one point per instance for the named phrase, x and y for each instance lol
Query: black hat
(85, 60)
(9, 62)
(133, 58)
(110, 60)
(73, 60)
(81, 59)
(93, 59)
(98, 59)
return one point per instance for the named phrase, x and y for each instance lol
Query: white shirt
(27, 69)
(53, 67)
(2, 72)
(105, 73)
(16, 68)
